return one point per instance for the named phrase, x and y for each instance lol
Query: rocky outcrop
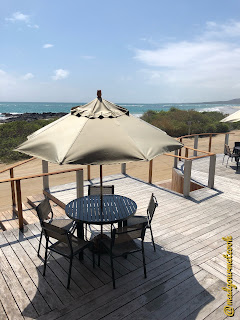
(9, 117)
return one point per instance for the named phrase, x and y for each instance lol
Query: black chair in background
(135, 220)
(122, 243)
(45, 214)
(229, 154)
(95, 191)
(236, 144)
(67, 245)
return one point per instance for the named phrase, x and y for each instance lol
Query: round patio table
(88, 210)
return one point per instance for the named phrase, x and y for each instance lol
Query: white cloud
(60, 74)
(205, 62)
(225, 30)
(18, 16)
(28, 76)
(48, 45)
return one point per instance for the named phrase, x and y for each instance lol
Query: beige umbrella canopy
(99, 132)
(234, 117)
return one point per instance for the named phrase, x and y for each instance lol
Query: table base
(96, 241)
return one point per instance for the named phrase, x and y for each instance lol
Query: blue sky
(134, 51)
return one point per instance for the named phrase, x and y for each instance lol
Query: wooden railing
(17, 205)
(11, 173)
(197, 135)
(188, 167)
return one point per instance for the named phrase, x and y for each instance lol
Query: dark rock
(31, 116)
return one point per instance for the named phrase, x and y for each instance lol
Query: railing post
(79, 183)
(187, 177)
(186, 152)
(150, 171)
(175, 159)
(211, 174)
(195, 145)
(123, 168)
(89, 172)
(13, 189)
(226, 141)
(19, 204)
(180, 150)
(45, 178)
(210, 143)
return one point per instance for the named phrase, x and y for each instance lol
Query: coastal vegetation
(176, 122)
(13, 134)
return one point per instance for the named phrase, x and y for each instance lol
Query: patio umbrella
(234, 117)
(99, 132)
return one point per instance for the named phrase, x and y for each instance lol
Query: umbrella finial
(99, 94)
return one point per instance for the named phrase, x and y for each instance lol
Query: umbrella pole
(101, 194)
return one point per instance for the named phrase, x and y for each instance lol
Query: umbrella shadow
(173, 289)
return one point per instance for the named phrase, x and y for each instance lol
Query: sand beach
(162, 169)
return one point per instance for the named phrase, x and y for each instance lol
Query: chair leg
(227, 162)
(45, 260)
(223, 159)
(144, 263)
(113, 277)
(152, 239)
(40, 241)
(69, 273)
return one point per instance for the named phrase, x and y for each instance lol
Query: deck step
(29, 216)
(35, 200)
(8, 220)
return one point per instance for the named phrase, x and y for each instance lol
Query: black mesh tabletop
(88, 209)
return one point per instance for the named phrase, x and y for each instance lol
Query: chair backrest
(227, 150)
(96, 190)
(151, 208)
(57, 233)
(237, 144)
(43, 210)
(129, 233)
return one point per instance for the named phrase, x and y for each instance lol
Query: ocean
(136, 109)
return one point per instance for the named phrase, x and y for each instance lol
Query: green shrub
(12, 134)
(176, 122)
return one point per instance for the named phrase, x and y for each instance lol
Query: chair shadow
(171, 284)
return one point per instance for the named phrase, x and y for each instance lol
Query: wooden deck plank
(7, 300)
(25, 274)
(17, 291)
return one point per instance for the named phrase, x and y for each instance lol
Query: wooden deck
(184, 277)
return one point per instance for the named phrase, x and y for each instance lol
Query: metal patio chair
(67, 245)
(122, 243)
(96, 190)
(135, 220)
(232, 155)
(45, 214)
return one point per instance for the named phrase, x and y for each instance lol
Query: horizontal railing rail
(39, 175)
(204, 134)
(17, 165)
